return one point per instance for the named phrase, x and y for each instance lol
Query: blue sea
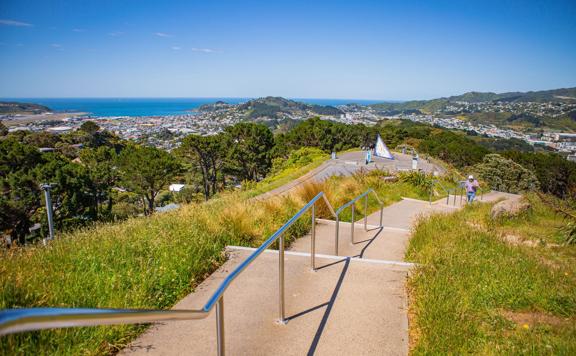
(153, 106)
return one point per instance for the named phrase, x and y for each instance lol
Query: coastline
(20, 119)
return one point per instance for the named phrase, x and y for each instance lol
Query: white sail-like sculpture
(381, 150)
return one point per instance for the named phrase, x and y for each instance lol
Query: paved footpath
(349, 163)
(353, 304)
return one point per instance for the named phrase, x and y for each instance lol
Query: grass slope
(503, 287)
(152, 262)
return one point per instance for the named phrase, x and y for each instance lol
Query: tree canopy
(146, 170)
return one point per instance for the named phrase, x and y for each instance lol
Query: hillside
(567, 95)
(493, 286)
(219, 105)
(273, 108)
(529, 111)
(555, 95)
(413, 106)
(12, 107)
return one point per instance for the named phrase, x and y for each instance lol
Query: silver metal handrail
(436, 182)
(29, 319)
(352, 203)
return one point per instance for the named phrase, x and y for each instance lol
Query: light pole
(46, 188)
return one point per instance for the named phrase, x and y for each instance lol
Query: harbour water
(106, 107)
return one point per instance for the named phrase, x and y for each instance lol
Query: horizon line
(198, 97)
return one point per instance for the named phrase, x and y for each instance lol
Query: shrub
(417, 179)
(506, 175)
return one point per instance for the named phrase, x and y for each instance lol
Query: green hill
(555, 95)
(413, 106)
(273, 107)
(567, 95)
(12, 107)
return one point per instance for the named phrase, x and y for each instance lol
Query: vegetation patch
(152, 262)
(475, 293)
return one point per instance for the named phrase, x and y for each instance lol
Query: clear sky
(356, 49)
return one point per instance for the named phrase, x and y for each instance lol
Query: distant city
(166, 131)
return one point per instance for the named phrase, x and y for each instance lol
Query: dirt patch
(476, 225)
(519, 241)
(530, 319)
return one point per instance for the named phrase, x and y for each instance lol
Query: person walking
(471, 186)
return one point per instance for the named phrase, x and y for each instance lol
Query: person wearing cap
(471, 186)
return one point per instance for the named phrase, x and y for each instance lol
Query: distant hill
(555, 95)
(219, 105)
(412, 107)
(274, 107)
(12, 107)
(567, 95)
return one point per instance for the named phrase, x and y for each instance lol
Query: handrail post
(366, 213)
(220, 327)
(336, 234)
(281, 279)
(352, 224)
(313, 239)
(381, 213)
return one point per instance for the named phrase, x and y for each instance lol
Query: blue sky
(395, 50)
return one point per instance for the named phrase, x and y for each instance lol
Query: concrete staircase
(353, 304)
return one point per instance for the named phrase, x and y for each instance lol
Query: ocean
(100, 107)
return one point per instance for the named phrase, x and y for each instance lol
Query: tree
(72, 198)
(556, 174)
(314, 133)
(19, 191)
(147, 170)
(249, 150)
(452, 148)
(207, 153)
(506, 175)
(101, 164)
(41, 139)
(90, 127)
(328, 136)
(90, 135)
(3, 129)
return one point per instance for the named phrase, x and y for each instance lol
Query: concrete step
(348, 307)
(404, 213)
(375, 243)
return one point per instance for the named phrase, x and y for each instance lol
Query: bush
(417, 179)
(506, 175)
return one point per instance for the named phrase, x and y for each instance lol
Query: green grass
(149, 262)
(476, 293)
(299, 163)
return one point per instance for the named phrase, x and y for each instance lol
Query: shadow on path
(330, 304)
(361, 254)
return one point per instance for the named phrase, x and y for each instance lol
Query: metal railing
(462, 192)
(19, 320)
(456, 192)
(29, 319)
(437, 183)
(352, 203)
